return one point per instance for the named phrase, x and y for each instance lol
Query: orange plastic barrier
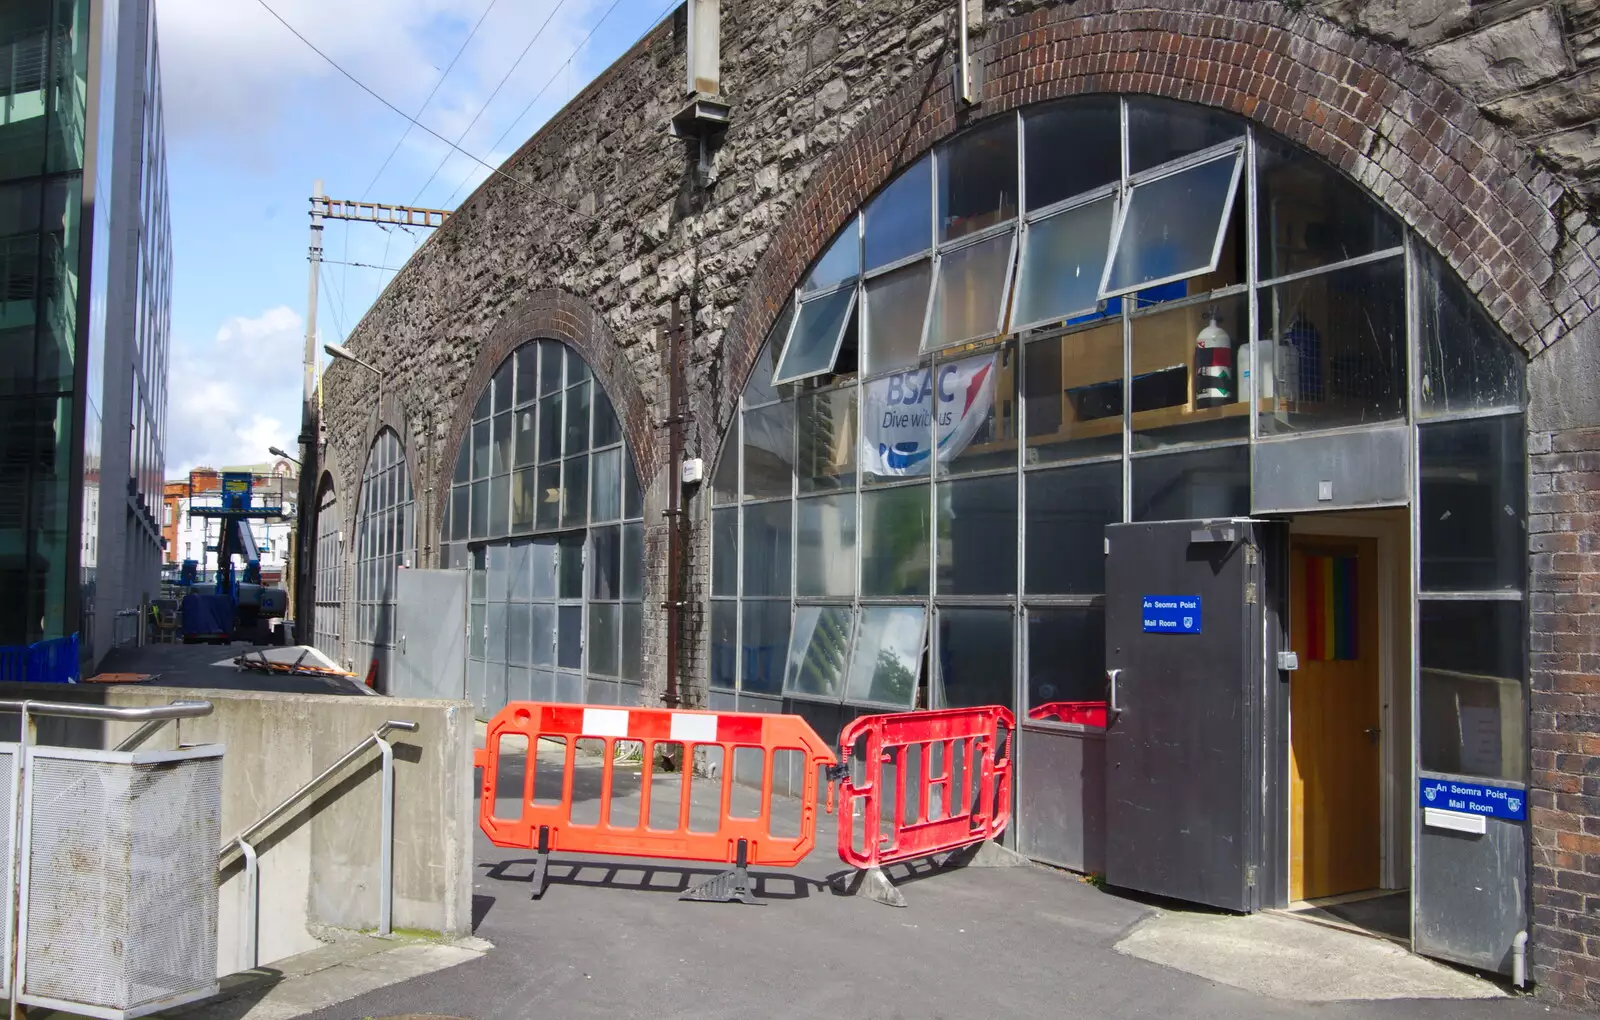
(545, 822)
(972, 774)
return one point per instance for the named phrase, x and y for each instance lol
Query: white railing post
(386, 845)
(252, 905)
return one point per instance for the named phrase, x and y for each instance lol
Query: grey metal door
(429, 659)
(1184, 774)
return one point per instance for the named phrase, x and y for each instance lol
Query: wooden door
(1335, 763)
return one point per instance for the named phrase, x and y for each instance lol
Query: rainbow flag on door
(1331, 607)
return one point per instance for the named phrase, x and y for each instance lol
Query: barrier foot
(875, 885)
(728, 887)
(987, 854)
(541, 862)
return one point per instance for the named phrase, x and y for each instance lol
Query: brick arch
(1414, 143)
(555, 315)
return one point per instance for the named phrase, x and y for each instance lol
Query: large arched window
(1087, 312)
(546, 511)
(326, 628)
(385, 539)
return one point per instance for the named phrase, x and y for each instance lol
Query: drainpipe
(1519, 960)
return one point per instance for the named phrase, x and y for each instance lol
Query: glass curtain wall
(385, 539)
(545, 510)
(1086, 312)
(327, 628)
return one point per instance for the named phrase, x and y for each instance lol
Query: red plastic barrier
(548, 826)
(1085, 713)
(974, 782)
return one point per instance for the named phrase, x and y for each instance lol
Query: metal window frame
(866, 312)
(853, 614)
(1215, 154)
(923, 605)
(972, 241)
(1062, 208)
(779, 378)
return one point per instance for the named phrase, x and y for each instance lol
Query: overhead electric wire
(500, 85)
(362, 265)
(363, 86)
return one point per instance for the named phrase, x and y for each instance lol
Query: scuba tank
(1213, 364)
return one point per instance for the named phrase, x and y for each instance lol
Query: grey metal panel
(543, 685)
(1183, 760)
(519, 684)
(600, 692)
(494, 687)
(475, 687)
(1471, 893)
(1360, 469)
(1061, 798)
(429, 659)
(722, 701)
(569, 688)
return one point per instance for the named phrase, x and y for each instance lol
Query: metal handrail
(252, 871)
(173, 710)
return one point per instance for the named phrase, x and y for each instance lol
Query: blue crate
(44, 662)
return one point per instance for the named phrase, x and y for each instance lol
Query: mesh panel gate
(119, 905)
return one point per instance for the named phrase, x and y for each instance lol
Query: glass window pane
(632, 642)
(1472, 714)
(766, 549)
(550, 371)
(519, 634)
(607, 484)
(498, 573)
(607, 429)
(495, 632)
(480, 450)
(899, 222)
(569, 637)
(975, 647)
(841, 262)
(604, 625)
(463, 472)
(550, 427)
(766, 645)
(1068, 510)
(500, 506)
(547, 494)
(1185, 486)
(543, 567)
(543, 633)
(524, 500)
(769, 451)
(501, 384)
(1161, 130)
(899, 412)
(978, 412)
(1310, 215)
(817, 332)
(724, 653)
(725, 480)
(476, 647)
(460, 509)
(1063, 258)
(888, 656)
(819, 650)
(577, 418)
(1340, 352)
(633, 561)
(978, 178)
(577, 371)
(632, 498)
(485, 406)
(1185, 389)
(575, 492)
(725, 551)
(1472, 509)
(605, 563)
(527, 373)
(520, 586)
(1067, 664)
(825, 562)
(827, 439)
(1072, 147)
(570, 567)
(977, 544)
(894, 541)
(1172, 228)
(525, 427)
(896, 304)
(1073, 388)
(480, 577)
(500, 450)
(758, 386)
(970, 293)
(1467, 362)
(480, 509)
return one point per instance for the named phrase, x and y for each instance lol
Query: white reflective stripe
(698, 728)
(605, 722)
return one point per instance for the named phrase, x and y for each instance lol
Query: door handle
(1111, 675)
(1372, 733)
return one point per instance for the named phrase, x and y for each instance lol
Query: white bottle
(1264, 377)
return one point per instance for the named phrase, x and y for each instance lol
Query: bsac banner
(907, 415)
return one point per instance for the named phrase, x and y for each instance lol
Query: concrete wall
(319, 866)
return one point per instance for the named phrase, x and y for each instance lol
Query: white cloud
(233, 396)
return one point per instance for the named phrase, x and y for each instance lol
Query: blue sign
(1473, 798)
(1172, 614)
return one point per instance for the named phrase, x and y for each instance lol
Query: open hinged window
(869, 656)
(1174, 220)
(970, 284)
(1063, 260)
(824, 308)
(819, 652)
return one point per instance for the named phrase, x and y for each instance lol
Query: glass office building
(85, 260)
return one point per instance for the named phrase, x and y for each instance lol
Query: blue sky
(253, 116)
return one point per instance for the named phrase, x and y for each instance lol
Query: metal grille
(121, 900)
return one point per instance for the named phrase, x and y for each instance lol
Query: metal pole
(386, 847)
(311, 293)
(674, 501)
(16, 892)
(252, 905)
(964, 72)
